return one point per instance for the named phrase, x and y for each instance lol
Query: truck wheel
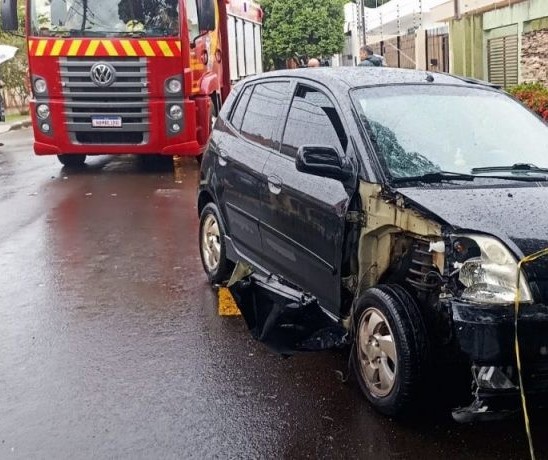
(390, 349)
(72, 161)
(212, 246)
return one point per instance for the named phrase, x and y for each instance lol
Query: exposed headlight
(492, 278)
(42, 111)
(174, 86)
(176, 112)
(40, 85)
(46, 127)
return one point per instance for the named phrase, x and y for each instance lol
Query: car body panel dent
(513, 214)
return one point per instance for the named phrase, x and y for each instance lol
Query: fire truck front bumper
(116, 134)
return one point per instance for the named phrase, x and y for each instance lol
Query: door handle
(275, 185)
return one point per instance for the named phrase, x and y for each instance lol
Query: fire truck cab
(141, 77)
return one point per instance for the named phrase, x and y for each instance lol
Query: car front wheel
(390, 350)
(212, 245)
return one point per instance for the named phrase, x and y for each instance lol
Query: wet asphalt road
(110, 345)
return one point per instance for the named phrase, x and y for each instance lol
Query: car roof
(353, 77)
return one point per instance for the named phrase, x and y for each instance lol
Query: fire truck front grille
(115, 114)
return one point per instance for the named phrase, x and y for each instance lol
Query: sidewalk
(6, 127)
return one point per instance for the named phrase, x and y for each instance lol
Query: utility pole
(361, 20)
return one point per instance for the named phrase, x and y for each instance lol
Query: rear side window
(313, 120)
(261, 120)
(241, 105)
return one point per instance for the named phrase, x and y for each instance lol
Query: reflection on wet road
(110, 345)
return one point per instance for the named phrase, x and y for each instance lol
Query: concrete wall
(466, 46)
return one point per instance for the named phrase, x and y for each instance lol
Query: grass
(13, 118)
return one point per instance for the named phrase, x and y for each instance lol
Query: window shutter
(503, 60)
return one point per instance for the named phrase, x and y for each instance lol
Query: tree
(296, 28)
(14, 73)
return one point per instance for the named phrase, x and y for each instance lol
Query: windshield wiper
(435, 177)
(515, 168)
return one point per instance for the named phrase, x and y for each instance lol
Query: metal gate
(398, 51)
(502, 60)
(407, 51)
(437, 50)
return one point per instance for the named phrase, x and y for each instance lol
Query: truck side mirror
(9, 15)
(206, 15)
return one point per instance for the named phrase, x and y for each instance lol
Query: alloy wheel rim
(211, 243)
(378, 358)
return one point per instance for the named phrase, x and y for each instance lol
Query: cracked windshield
(80, 18)
(420, 130)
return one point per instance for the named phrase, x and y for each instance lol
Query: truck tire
(72, 161)
(212, 246)
(390, 350)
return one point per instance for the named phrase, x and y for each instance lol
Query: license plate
(106, 122)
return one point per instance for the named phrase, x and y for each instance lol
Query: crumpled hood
(516, 215)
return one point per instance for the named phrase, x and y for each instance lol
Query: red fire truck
(141, 77)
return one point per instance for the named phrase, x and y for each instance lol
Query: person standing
(368, 58)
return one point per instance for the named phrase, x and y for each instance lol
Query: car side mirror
(206, 15)
(323, 161)
(9, 15)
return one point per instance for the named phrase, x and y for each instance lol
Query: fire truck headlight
(45, 127)
(176, 112)
(40, 85)
(42, 111)
(174, 86)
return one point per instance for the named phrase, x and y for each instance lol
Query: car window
(312, 120)
(241, 105)
(263, 113)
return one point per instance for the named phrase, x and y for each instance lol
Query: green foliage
(14, 73)
(311, 28)
(534, 96)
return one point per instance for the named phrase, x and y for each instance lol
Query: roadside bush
(534, 95)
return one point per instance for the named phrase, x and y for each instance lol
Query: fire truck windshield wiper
(125, 33)
(73, 33)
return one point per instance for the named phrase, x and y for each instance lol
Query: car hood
(516, 215)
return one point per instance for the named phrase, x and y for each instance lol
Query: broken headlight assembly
(488, 271)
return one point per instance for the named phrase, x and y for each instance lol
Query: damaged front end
(463, 284)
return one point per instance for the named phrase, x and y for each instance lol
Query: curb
(20, 125)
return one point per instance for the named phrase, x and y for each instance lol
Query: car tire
(213, 246)
(72, 161)
(389, 372)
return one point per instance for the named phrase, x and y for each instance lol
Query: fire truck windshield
(100, 18)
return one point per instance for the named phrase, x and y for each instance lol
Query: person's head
(313, 62)
(365, 52)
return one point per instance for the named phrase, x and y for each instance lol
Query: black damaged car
(400, 212)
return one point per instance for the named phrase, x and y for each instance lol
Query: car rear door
(253, 132)
(304, 216)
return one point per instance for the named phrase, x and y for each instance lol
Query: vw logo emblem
(103, 74)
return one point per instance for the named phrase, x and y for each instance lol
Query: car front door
(253, 131)
(304, 216)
